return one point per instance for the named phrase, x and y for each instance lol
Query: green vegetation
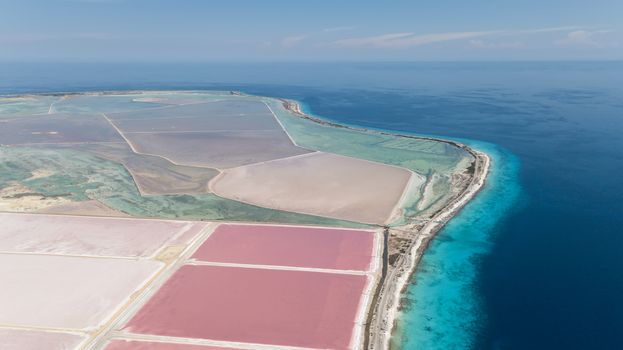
(436, 161)
(11, 107)
(79, 176)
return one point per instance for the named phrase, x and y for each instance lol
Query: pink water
(139, 345)
(289, 246)
(307, 309)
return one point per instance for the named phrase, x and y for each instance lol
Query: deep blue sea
(536, 261)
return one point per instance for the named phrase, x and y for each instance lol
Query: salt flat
(320, 184)
(219, 134)
(75, 235)
(218, 149)
(67, 292)
(17, 339)
(57, 129)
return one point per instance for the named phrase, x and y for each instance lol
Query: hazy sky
(314, 30)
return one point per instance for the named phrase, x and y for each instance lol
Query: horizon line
(28, 62)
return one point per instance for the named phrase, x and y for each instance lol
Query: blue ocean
(536, 260)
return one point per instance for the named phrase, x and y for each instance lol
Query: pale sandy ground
(40, 173)
(67, 292)
(320, 184)
(14, 339)
(10, 199)
(427, 194)
(74, 235)
(90, 207)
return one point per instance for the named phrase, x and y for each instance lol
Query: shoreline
(384, 302)
(382, 315)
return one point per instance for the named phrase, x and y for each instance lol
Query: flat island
(198, 220)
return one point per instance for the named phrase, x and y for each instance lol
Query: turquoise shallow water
(441, 306)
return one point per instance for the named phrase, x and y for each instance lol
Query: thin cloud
(97, 1)
(291, 41)
(377, 40)
(35, 38)
(584, 38)
(417, 40)
(483, 44)
(403, 40)
(338, 29)
(295, 40)
(409, 39)
(546, 30)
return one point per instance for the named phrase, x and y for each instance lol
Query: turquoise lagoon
(441, 309)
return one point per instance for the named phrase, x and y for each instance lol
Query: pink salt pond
(261, 306)
(312, 247)
(141, 345)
